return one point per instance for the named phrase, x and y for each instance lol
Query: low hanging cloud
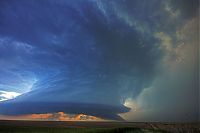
(60, 116)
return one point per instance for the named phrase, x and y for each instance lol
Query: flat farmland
(7, 126)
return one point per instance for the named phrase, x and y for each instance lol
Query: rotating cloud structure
(81, 56)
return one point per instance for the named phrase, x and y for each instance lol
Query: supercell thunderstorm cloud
(136, 58)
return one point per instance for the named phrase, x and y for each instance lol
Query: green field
(10, 129)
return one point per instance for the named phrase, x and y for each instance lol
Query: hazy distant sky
(97, 56)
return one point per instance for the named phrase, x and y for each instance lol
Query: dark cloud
(82, 52)
(188, 9)
(98, 110)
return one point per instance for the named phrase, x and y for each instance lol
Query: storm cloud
(70, 56)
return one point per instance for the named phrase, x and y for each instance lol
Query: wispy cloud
(6, 95)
